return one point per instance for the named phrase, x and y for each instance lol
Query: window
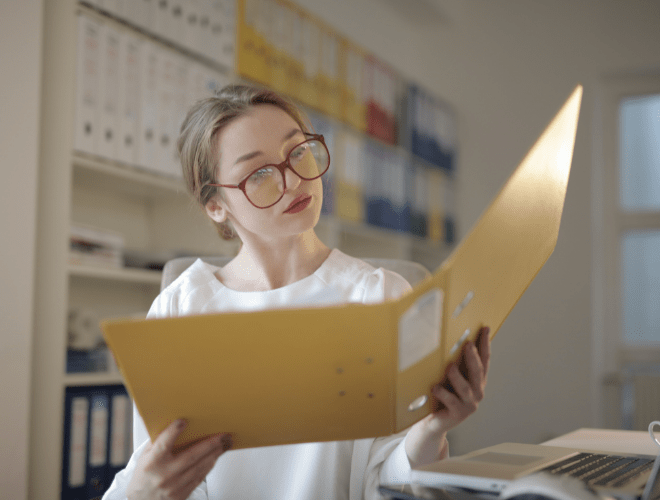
(626, 251)
(639, 200)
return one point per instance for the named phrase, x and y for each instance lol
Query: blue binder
(97, 443)
(120, 428)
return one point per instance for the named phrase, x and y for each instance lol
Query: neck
(267, 265)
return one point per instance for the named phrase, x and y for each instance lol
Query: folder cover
(356, 370)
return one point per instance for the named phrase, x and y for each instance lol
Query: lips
(299, 203)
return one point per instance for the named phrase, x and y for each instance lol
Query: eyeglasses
(266, 185)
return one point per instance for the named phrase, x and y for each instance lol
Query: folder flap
(272, 383)
(514, 237)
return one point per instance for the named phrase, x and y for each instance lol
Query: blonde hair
(197, 145)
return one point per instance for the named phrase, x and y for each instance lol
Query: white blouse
(350, 470)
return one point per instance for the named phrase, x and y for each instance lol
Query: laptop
(624, 476)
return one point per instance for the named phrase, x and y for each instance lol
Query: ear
(216, 209)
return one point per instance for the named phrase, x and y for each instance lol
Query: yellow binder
(351, 371)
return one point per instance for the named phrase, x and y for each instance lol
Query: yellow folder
(350, 371)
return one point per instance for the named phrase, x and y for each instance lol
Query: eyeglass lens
(308, 160)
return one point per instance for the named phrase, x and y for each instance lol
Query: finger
(484, 347)
(450, 401)
(165, 441)
(476, 374)
(191, 478)
(462, 388)
(190, 457)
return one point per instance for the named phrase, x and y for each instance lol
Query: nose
(292, 180)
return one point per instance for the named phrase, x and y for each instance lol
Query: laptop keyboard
(601, 470)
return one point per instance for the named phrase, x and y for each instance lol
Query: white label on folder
(419, 329)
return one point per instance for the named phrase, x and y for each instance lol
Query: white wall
(507, 66)
(20, 84)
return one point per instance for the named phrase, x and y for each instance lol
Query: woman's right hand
(164, 475)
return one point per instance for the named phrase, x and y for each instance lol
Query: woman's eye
(261, 174)
(298, 152)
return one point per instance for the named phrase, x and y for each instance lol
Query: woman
(250, 161)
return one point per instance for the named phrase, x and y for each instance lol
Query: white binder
(165, 111)
(129, 98)
(147, 143)
(87, 86)
(109, 91)
(191, 31)
(162, 25)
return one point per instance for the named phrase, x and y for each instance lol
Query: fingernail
(181, 424)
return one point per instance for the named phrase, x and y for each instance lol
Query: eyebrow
(249, 156)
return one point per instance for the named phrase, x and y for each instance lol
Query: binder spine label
(78, 442)
(419, 329)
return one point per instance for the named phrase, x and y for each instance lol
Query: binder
(324, 127)
(328, 77)
(162, 21)
(354, 104)
(129, 98)
(377, 172)
(399, 189)
(227, 50)
(217, 18)
(109, 92)
(449, 209)
(296, 69)
(350, 175)
(74, 450)
(88, 98)
(136, 12)
(177, 13)
(112, 7)
(419, 201)
(436, 182)
(119, 430)
(149, 8)
(165, 111)
(282, 33)
(97, 463)
(311, 33)
(147, 155)
(180, 106)
(356, 370)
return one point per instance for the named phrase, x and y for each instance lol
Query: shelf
(121, 274)
(100, 378)
(91, 170)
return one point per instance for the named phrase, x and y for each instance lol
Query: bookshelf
(151, 211)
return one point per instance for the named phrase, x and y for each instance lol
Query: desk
(616, 441)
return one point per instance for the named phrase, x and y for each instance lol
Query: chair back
(413, 272)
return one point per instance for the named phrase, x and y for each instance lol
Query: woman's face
(264, 135)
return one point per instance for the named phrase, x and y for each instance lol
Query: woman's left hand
(457, 397)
